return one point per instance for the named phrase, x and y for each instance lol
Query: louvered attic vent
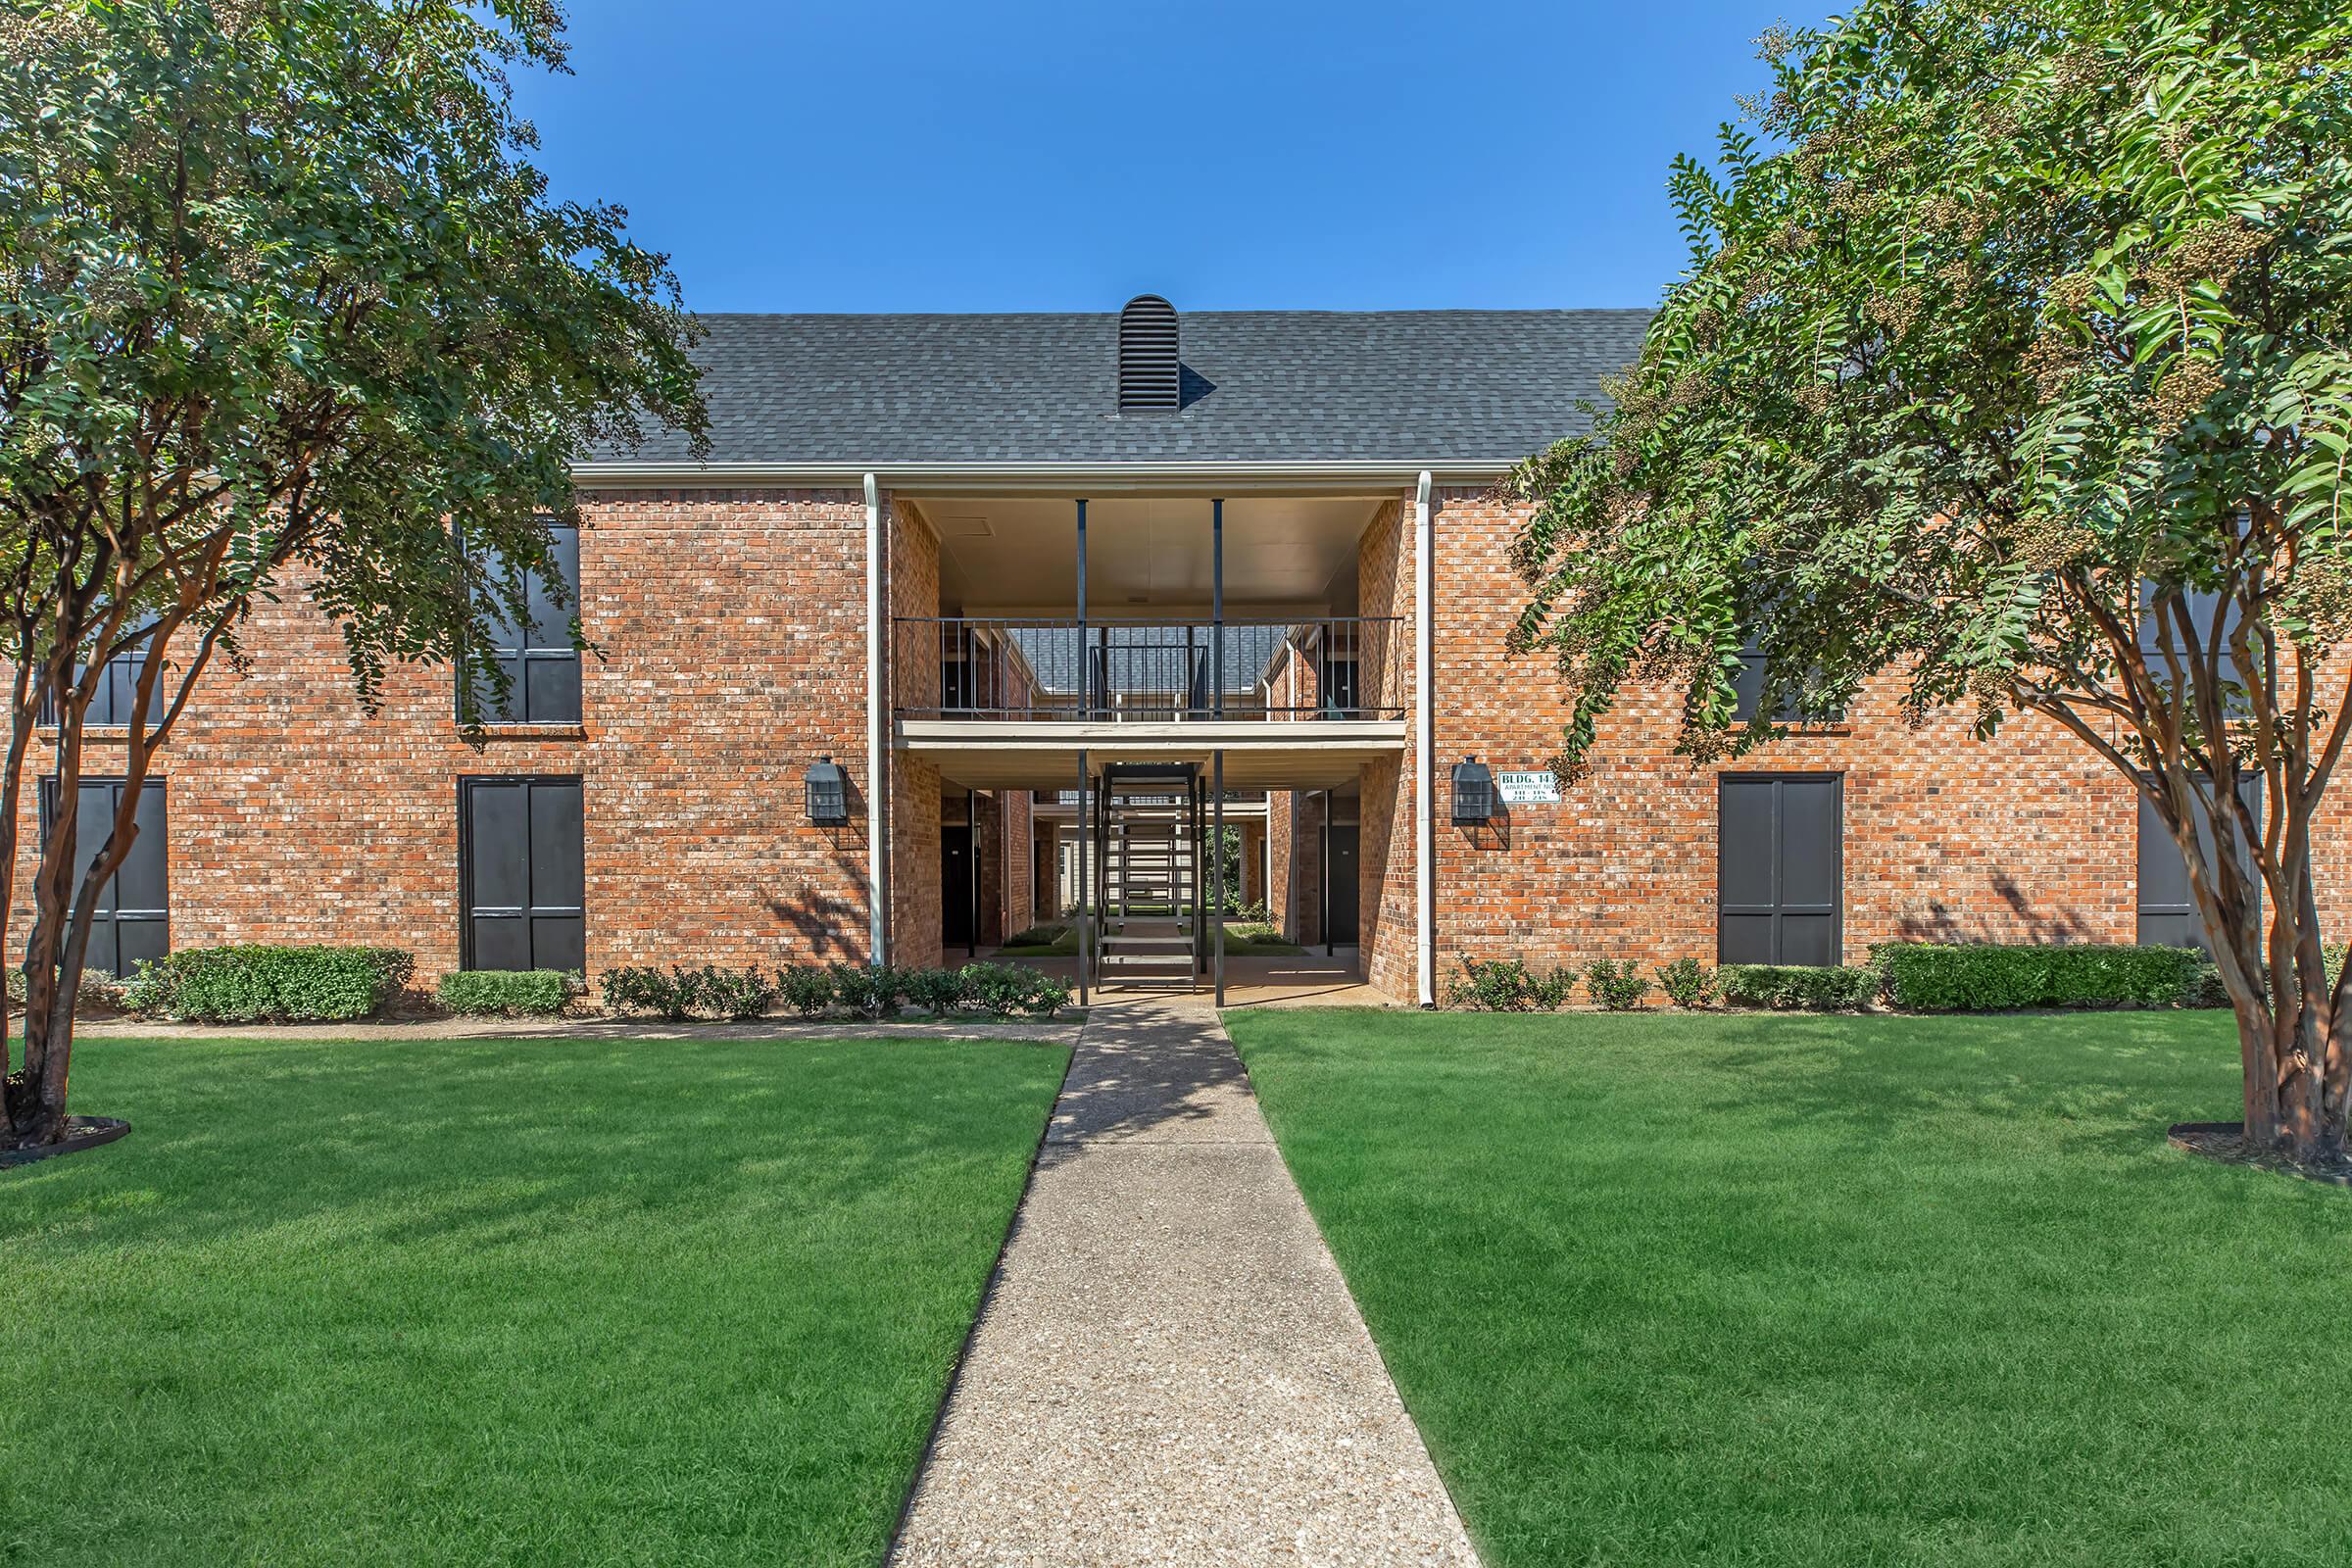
(1148, 371)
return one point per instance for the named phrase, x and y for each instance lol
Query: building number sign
(1538, 788)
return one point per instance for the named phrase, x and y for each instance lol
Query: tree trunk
(2294, 1033)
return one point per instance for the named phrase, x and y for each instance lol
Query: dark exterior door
(133, 918)
(1346, 845)
(525, 887)
(1780, 852)
(2168, 912)
(956, 886)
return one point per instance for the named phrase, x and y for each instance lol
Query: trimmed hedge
(1508, 985)
(258, 983)
(507, 993)
(1797, 986)
(1005, 989)
(813, 990)
(682, 993)
(1933, 977)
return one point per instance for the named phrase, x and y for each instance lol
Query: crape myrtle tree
(2014, 365)
(283, 307)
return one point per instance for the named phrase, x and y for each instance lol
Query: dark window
(524, 883)
(2202, 608)
(957, 687)
(132, 919)
(1339, 685)
(1779, 866)
(1749, 687)
(118, 686)
(2168, 910)
(540, 660)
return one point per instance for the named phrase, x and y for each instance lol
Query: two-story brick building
(989, 566)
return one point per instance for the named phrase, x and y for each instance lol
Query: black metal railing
(1347, 667)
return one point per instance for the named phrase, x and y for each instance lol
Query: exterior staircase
(1152, 895)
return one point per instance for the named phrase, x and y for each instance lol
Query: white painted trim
(877, 736)
(1425, 833)
(1095, 477)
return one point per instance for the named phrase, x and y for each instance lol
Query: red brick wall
(732, 630)
(1387, 917)
(1020, 870)
(2027, 837)
(914, 807)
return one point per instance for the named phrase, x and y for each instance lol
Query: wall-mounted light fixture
(828, 794)
(1473, 793)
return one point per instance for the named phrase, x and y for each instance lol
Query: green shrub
(1797, 986)
(258, 983)
(807, 988)
(871, 991)
(2206, 989)
(1508, 985)
(937, 991)
(1038, 936)
(1615, 984)
(507, 993)
(1686, 982)
(633, 989)
(1004, 989)
(1936, 977)
(737, 994)
(709, 992)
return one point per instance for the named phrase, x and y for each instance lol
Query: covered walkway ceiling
(1003, 555)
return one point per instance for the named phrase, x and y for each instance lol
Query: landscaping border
(96, 1132)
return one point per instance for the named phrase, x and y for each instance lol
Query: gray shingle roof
(1261, 386)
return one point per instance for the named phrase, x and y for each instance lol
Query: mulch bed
(2226, 1141)
(81, 1132)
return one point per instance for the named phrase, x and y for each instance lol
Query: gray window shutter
(2167, 910)
(1779, 866)
(132, 919)
(525, 880)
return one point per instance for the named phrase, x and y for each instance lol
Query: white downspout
(1425, 830)
(877, 825)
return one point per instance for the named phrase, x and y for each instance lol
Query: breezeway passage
(1169, 1368)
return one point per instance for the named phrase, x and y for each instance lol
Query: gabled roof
(1410, 387)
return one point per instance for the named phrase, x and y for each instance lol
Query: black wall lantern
(1473, 793)
(828, 794)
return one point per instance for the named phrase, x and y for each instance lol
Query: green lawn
(1807, 1291)
(504, 1303)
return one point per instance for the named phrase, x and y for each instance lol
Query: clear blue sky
(1020, 156)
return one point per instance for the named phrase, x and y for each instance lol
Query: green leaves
(2017, 306)
(289, 255)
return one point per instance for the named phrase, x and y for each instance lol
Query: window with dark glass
(1750, 689)
(1779, 869)
(542, 665)
(1339, 685)
(133, 918)
(522, 877)
(117, 689)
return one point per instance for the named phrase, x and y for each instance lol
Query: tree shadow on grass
(2093, 1081)
(487, 1143)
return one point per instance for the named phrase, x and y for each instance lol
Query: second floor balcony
(1151, 671)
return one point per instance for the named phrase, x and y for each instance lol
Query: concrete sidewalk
(1169, 1369)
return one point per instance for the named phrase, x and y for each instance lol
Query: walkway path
(1169, 1369)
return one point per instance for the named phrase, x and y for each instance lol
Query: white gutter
(1425, 831)
(877, 825)
(909, 477)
